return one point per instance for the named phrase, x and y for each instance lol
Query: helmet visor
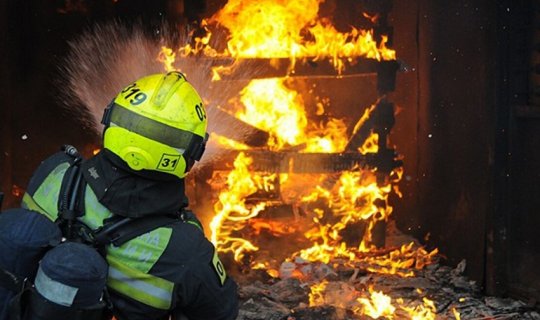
(187, 143)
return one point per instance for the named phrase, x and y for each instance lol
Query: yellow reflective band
(47, 194)
(143, 252)
(95, 212)
(220, 269)
(29, 203)
(148, 289)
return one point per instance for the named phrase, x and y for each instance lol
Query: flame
(167, 56)
(226, 143)
(271, 106)
(425, 311)
(352, 196)
(281, 29)
(276, 29)
(316, 295)
(377, 305)
(292, 29)
(231, 210)
(276, 228)
(371, 145)
(404, 258)
(355, 197)
(268, 105)
(456, 314)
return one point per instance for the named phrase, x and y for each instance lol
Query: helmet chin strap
(106, 118)
(198, 149)
(196, 153)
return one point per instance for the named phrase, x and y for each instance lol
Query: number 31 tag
(168, 162)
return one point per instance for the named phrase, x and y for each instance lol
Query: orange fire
(456, 314)
(425, 311)
(354, 196)
(268, 105)
(370, 302)
(271, 106)
(282, 29)
(331, 203)
(376, 306)
(231, 210)
(292, 29)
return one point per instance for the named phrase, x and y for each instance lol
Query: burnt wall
(455, 145)
(514, 246)
(473, 167)
(446, 126)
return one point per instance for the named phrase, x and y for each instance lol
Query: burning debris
(338, 291)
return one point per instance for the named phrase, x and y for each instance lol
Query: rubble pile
(340, 290)
(454, 296)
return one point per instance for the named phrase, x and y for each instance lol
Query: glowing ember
(17, 191)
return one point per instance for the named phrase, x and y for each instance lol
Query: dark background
(468, 123)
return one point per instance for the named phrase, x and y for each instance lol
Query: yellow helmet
(157, 123)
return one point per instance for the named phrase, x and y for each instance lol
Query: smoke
(107, 57)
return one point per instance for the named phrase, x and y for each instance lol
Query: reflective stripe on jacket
(129, 264)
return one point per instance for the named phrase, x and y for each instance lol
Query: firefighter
(155, 130)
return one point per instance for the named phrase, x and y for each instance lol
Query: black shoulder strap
(117, 230)
(121, 230)
(71, 195)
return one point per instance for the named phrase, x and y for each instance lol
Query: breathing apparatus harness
(116, 230)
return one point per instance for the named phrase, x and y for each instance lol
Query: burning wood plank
(287, 162)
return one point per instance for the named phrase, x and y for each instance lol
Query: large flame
(231, 211)
(292, 29)
(333, 203)
(282, 29)
(270, 105)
